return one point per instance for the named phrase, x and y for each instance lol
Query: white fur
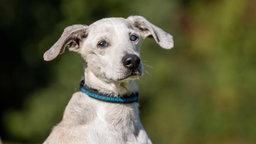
(90, 121)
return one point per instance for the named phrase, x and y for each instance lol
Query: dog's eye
(133, 37)
(102, 44)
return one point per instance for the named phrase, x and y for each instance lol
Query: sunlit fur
(90, 121)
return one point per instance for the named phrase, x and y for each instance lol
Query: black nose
(131, 61)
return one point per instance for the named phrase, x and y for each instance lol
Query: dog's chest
(118, 115)
(116, 122)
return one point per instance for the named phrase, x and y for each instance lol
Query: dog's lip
(128, 77)
(132, 74)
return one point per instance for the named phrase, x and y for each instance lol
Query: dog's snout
(131, 61)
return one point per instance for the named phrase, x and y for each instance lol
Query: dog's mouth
(131, 75)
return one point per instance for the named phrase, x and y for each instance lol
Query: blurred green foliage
(200, 92)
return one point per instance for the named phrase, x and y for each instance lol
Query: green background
(199, 92)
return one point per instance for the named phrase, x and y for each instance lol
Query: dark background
(200, 92)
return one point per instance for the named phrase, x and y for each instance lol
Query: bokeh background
(200, 92)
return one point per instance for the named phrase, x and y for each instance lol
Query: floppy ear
(71, 38)
(147, 29)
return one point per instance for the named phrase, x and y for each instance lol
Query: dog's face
(110, 46)
(111, 49)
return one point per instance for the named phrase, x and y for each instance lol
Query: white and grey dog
(105, 110)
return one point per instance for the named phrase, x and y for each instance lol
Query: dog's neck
(115, 89)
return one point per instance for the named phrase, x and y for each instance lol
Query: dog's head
(110, 46)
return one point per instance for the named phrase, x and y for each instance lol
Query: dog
(105, 110)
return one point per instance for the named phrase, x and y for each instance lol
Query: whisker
(148, 66)
(147, 73)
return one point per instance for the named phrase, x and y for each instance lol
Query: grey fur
(90, 121)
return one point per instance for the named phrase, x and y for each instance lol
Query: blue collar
(133, 97)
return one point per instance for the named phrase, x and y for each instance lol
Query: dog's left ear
(162, 38)
(71, 38)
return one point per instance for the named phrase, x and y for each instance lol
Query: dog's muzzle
(133, 65)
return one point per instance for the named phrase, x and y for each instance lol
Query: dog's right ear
(147, 29)
(71, 38)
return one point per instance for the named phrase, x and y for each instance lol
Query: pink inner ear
(72, 44)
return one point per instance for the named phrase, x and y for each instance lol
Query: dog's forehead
(110, 23)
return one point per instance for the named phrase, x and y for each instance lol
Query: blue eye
(133, 37)
(102, 44)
